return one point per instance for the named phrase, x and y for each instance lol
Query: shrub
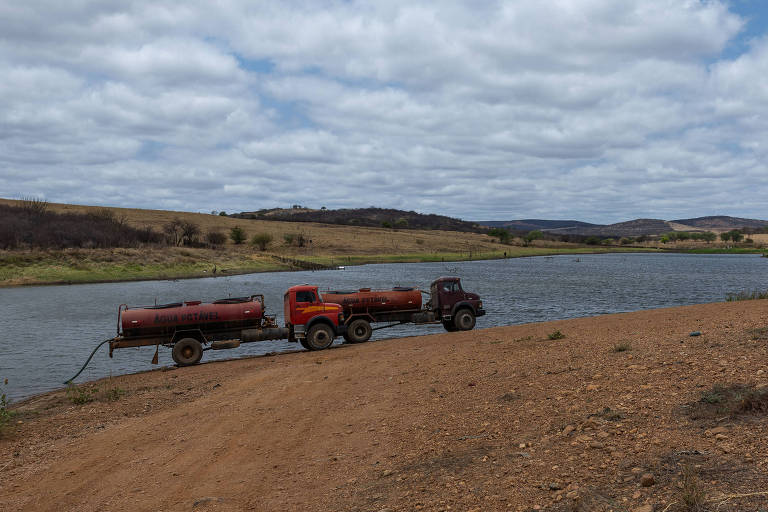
(746, 295)
(622, 347)
(592, 240)
(237, 235)
(691, 495)
(36, 227)
(5, 414)
(386, 224)
(215, 238)
(557, 335)
(222, 214)
(79, 395)
(401, 223)
(733, 400)
(113, 394)
(261, 240)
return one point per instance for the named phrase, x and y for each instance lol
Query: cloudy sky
(595, 110)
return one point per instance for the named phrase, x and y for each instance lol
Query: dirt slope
(495, 419)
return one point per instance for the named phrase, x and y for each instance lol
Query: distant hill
(722, 222)
(534, 224)
(635, 227)
(369, 217)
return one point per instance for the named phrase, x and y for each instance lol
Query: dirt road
(606, 418)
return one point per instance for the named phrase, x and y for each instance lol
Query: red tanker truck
(448, 304)
(192, 327)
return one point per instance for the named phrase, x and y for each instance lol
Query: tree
(189, 232)
(174, 232)
(502, 234)
(386, 224)
(401, 223)
(222, 213)
(261, 240)
(237, 235)
(531, 236)
(736, 235)
(708, 236)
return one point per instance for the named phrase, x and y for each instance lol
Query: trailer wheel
(464, 320)
(448, 326)
(304, 344)
(358, 331)
(319, 337)
(187, 351)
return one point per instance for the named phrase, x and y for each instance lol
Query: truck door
(303, 310)
(449, 293)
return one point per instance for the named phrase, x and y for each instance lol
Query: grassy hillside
(325, 245)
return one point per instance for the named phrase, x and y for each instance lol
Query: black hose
(88, 360)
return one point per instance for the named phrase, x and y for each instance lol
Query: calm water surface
(46, 333)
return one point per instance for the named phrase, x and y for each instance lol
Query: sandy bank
(496, 419)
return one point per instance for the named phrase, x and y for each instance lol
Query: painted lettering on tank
(165, 319)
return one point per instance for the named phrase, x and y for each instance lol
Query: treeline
(33, 225)
(365, 217)
(507, 236)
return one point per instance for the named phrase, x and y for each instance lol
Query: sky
(594, 110)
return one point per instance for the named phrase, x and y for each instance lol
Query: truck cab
(456, 308)
(310, 321)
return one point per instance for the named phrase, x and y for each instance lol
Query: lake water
(46, 333)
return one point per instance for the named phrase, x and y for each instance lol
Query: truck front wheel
(464, 320)
(187, 351)
(358, 331)
(319, 337)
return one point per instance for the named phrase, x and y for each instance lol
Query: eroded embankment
(610, 417)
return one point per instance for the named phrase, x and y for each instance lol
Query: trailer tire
(464, 320)
(358, 331)
(187, 352)
(303, 342)
(319, 337)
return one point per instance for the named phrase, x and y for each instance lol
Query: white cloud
(590, 109)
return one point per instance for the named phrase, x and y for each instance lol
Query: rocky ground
(625, 412)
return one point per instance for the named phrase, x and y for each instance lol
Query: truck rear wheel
(448, 326)
(464, 320)
(358, 331)
(319, 337)
(187, 351)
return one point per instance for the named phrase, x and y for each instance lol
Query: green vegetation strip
(71, 268)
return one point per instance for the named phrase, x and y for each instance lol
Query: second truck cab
(310, 321)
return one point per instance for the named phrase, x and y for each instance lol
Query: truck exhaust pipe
(269, 333)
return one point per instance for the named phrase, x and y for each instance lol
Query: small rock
(721, 437)
(718, 430)
(696, 333)
(572, 495)
(644, 508)
(596, 445)
(593, 387)
(554, 486)
(647, 480)
(568, 429)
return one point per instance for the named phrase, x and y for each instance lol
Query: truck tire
(187, 351)
(319, 337)
(358, 331)
(303, 342)
(448, 326)
(464, 320)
